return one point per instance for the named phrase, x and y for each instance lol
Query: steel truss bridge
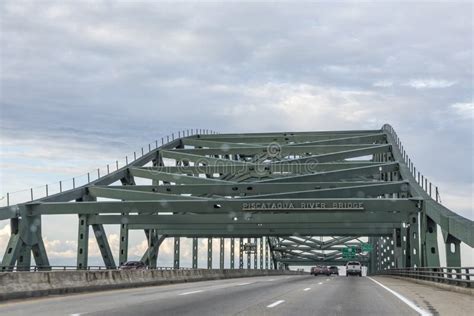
(299, 197)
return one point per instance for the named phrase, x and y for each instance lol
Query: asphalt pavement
(273, 295)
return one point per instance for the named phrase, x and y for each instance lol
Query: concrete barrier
(15, 285)
(443, 286)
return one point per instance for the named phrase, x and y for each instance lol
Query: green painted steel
(303, 196)
(209, 253)
(177, 244)
(221, 253)
(232, 253)
(195, 253)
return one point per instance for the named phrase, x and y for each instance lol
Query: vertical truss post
(255, 255)
(372, 256)
(261, 253)
(176, 252)
(397, 248)
(241, 253)
(266, 254)
(83, 242)
(104, 246)
(403, 236)
(209, 253)
(249, 256)
(232, 253)
(123, 247)
(195, 253)
(429, 241)
(414, 241)
(221, 254)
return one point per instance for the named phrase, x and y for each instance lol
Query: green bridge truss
(299, 197)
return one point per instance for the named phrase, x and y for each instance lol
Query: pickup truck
(353, 268)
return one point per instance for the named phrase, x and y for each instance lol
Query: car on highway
(320, 270)
(133, 265)
(334, 270)
(353, 268)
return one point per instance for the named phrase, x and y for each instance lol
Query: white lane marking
(187, 293)
(320, 283)
(328, 280)
(419, 310)
(239, 284)
(307, 289)
(270, 280)
(275, 304)
(76, 314)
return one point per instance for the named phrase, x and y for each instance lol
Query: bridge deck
(275, 295)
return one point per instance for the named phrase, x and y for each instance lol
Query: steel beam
(104, 246)
(83, 242)
(195, 253)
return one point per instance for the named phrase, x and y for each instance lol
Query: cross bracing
(305, 195)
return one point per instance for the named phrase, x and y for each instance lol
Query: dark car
(320, 270)
(133, 265)
(334, 270)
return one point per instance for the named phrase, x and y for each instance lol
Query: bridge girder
(288, 187)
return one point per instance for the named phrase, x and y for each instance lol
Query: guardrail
(426, 185)
(75, 268)
(460, 276)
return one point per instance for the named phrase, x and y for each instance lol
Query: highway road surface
(275, 295)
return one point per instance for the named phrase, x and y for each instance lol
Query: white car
(353, 268)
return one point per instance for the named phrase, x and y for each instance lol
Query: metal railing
(426, 185)
(75, 268)
(460, 276)
(27, 195)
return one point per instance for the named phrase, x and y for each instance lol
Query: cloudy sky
(84, 83)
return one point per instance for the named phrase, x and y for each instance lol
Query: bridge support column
(177, 247)
(261, 253)
(266, 254)
(414, 241)
(195, 253)
(397, 248)
(123, 247)
(429, 242)
(404, 246)
(241, 253)
(372, 256)
(232, 253)
(209, 253)
(249, 256)
(221, 254)
(255, 255)
(83, 242)
(104, 246)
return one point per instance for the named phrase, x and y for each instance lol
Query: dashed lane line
(192, 292)
(275, 303)
(307, 289)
